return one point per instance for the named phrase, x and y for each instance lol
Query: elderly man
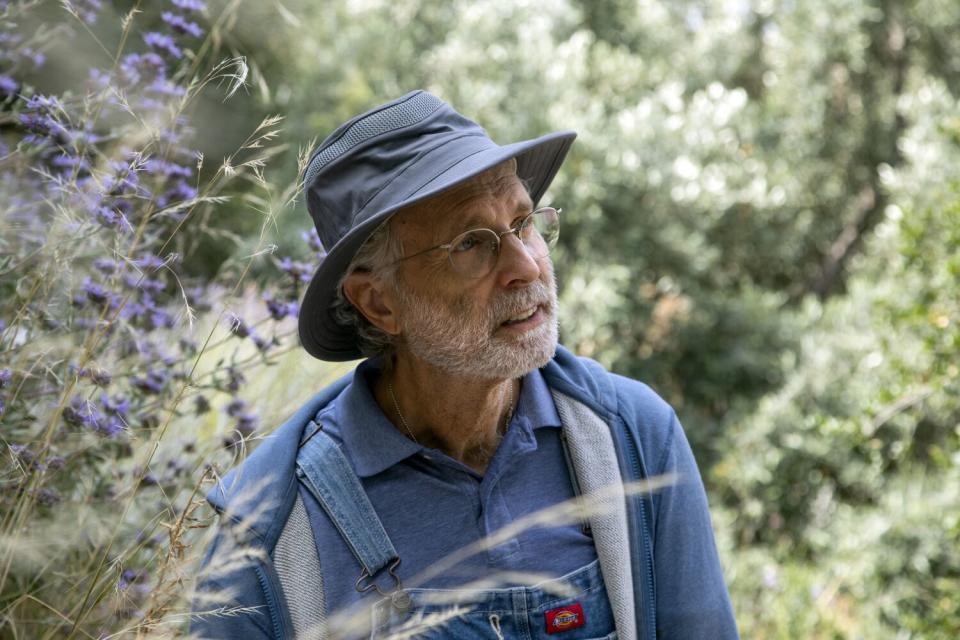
(430, 492)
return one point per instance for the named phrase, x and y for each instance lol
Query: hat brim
(538, 161)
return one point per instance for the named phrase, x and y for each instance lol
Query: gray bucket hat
(386, 159)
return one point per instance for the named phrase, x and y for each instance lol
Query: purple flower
(33, 56)
(168, 169)
(181, 25)
(86, 9)
(180, 191)
(132, 69)
(279, 309)
(105, 265)
(109, 217)
(149, 261)
(100, 80)
(85, 137)
(99, 377)
(129, 577)
(55, 463)
(117, 405)
(164, 87)
(263, 344)
(133, 311)
(108, 426)
(235, 407)
(160, 318)
(299, 271)
(235, 379)
(163, 43)
(151, 285)
(157, 317)
(247, 424)
(46, 497)
(153, 382)
(152, 104)
(9, 38)
(238, 327)
(43, 126)
(199, 298)
(80, 412)
(313, 240)
(190, 5)
(177, 467)
(68, 163)
(44, 104)
(5, 376)
(96, 293)
(8, 86)
(123, 181)
(23, 453)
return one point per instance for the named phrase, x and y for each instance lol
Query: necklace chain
(396, 405)
(403, 421)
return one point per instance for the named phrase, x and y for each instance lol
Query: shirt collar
(536, 402)
(370, 440)
(373, 444)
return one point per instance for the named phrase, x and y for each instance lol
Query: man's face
(500, 326)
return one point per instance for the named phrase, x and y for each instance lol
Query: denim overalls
(571, 607)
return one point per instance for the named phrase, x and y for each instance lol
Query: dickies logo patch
(565, 618)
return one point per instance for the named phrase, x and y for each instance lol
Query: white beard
(460, 339)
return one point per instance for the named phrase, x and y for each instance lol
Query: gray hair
(378, 255)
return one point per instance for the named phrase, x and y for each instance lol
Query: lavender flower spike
(181, 25)
(190, 5)
(163, 43)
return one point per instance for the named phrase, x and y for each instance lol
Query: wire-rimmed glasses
(474, 253)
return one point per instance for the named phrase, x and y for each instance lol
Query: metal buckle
(398, 596)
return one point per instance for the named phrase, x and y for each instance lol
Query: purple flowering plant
(106, 336)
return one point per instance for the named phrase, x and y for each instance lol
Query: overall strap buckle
(399, 598)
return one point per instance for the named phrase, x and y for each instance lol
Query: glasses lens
(474, 253)
(540, 231)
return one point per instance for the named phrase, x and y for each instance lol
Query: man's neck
(462, 416)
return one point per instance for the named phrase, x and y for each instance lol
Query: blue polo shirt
(432, 505)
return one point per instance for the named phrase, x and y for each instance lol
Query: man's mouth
(520, 317)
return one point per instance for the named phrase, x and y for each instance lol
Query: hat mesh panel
(398, 116)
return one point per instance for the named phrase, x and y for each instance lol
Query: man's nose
(516, 265)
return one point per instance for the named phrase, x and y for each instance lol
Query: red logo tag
(565, 618)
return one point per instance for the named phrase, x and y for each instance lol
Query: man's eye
(467, 241)
(527, 228)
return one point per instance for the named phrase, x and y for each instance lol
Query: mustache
(510, 303)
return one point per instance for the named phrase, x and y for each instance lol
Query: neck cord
(403, 421)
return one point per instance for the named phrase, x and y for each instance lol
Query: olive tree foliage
(759, 221)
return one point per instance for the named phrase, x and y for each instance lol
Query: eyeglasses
(474, 253)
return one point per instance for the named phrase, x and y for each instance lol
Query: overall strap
(328, 475)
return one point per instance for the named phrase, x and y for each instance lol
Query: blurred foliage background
(761, 221)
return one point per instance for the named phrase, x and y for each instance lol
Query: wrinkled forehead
(476, 203)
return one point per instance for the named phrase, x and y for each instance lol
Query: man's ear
(374, 299)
